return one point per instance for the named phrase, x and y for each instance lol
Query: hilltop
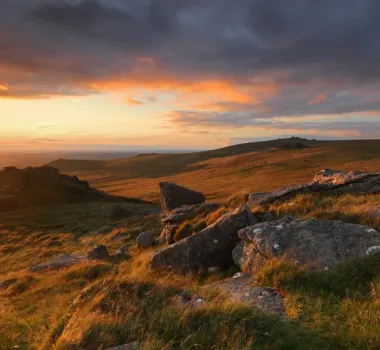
(257, 166)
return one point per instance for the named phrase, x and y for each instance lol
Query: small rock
(99, 252)
(145, 240)
(122, 252)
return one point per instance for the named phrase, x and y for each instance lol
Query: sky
(186, 74)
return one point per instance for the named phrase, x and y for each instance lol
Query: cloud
(132, 102)
(227, 63)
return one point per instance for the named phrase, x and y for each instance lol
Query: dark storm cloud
(309, 48)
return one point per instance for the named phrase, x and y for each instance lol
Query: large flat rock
(314, 242)
(242, 289)
(325, 181)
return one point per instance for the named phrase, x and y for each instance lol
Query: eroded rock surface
(60, 261)
(327, 181)
(175, 196)
(207, 248)
(241, 288)
(313, 242)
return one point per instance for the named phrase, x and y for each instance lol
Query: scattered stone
(129, 346)
(207, 248)
(174, 196)
(99, 252)
(314, 242)
(241, 288)
(60, 261)
(326, 181)
(145, 240)
(118, 212)
(122, 252)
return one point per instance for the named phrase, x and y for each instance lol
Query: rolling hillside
(223, 172)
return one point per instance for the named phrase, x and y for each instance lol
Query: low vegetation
(99, 304)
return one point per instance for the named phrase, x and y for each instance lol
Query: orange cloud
(132, 102)
(4, 88)
(318, 99)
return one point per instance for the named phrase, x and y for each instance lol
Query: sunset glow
(93, 74)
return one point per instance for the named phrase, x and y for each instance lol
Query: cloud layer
(237, 63)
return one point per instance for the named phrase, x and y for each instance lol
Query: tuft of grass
(348, 207)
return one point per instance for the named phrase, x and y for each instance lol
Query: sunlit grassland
(99, 304)
(219, 174)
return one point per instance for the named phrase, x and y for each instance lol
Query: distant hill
(220, 173)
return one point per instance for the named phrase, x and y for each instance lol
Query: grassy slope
(220, 173)
(103, 304)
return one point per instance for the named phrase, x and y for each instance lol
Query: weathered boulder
(207, 248)
(241, 288)
(99, 252)
(325, 181)
(313, 242)
(174, 196)
(58, 262)
(145, 240)
(118, 212)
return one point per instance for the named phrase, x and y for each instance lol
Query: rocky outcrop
(325, 181)
(173, 219)
(208, 248)
(313, 242)
(174, 196)
(43, 185)
(241, 288)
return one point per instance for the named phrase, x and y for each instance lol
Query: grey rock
(58, 262)
(313, 242)
(174, 196)
(167, 235)
(325, 181)
(99, 252)
(122, 252)
(241, 289)
(145, 240)
(207, 248)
